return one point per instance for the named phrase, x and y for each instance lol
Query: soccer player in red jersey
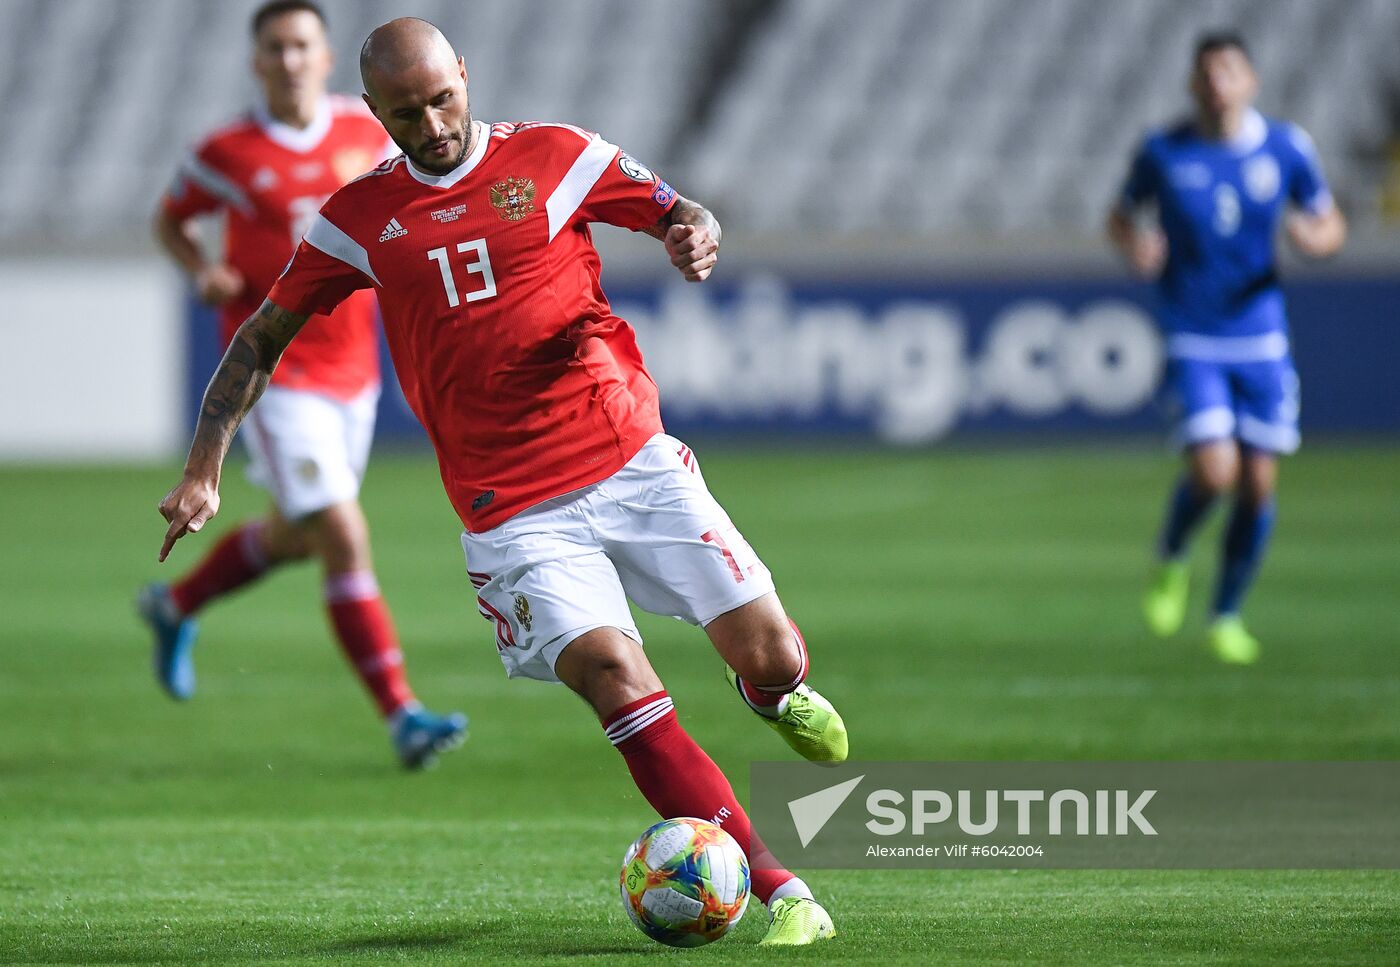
(309, 436)
(545, 422)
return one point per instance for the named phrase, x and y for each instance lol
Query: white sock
(793, 887)
(768, 711)
(398, 714)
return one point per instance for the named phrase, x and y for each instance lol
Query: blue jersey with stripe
(1219, 204)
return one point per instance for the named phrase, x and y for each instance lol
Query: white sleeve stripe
(330, 239)
(215, 183)
(578, 182)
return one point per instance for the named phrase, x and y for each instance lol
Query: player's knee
(284, 543)
(340, 539)
(296, 549)
(1215, 468)
(1215, 479)
(607, 669)
(620, 666)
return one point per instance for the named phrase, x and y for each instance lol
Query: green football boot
(809, 724)
(797, 922)
(1164, 604)
(1231, 642)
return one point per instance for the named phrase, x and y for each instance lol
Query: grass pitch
(959, 605)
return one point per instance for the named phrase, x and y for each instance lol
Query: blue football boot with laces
(419, 735)
(174, 640)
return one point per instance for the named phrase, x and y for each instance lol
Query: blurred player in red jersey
(545, 422)
(269, 172)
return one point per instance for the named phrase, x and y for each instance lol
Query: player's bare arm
(239, 381)
(691, 233)
(1317, 236)
(1144, 249)
(215, 282)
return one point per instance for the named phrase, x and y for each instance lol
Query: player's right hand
(218, 283)
(188, 507)
(693, 250)
(1148, 253)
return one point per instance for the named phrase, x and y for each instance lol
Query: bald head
(401, 45)
(416, 85)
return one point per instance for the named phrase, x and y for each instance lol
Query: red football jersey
(271, 179)
(487, 277)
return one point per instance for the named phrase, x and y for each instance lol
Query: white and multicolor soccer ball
(685, 882)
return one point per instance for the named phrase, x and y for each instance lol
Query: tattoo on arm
(685, 212)
(240, 380)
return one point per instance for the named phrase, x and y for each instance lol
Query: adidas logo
(392, 230)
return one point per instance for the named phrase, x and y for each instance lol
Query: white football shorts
(309, 450)
(651, 532)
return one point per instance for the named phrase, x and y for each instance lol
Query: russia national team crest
(513, 199)
(1261, 178)
(522, 612)
(351, 163)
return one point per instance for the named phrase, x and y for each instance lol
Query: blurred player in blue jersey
(1222, 182)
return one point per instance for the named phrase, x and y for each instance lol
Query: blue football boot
(174, 640)
(419, 735)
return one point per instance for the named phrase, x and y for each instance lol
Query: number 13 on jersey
(479, 265)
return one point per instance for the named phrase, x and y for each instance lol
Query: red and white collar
(300, 140)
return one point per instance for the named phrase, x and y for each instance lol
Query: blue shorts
(1253, 402)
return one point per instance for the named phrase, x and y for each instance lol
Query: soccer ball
(685, 882)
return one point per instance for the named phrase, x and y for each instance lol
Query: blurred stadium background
(912, 191)
(913, 269)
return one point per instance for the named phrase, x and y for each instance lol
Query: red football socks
(679, 779)
(237, 559)
(366, 633)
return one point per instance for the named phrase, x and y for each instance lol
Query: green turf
(959, 605)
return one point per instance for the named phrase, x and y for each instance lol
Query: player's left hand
(188, 507)
(1316, 236)
(1301, 230)
(693, 250)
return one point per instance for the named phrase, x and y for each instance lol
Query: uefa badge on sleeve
(634, 169)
